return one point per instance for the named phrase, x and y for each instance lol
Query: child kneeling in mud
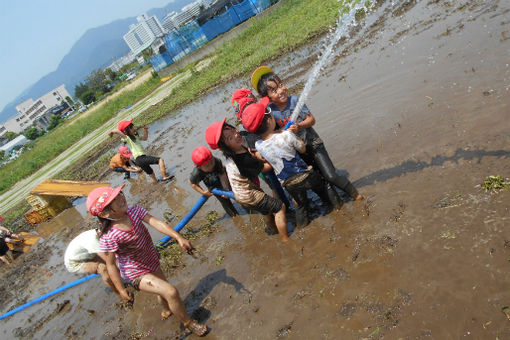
(267, 83)
(242, 171)
(210, 170)
(121, 162)
(279, 149)
(126, 240)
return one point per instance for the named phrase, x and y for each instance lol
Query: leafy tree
(88, 97)
(147, 53)
(2, 154)
(80, 89)
(110, 74)
(10, 135)
(32, 133)
(54, 122)
(97, 81)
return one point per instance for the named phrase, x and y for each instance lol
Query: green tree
(147, 53)
(97, 81)
(110, 74)
(80, 89)
(54, 122)
(10, 135)
(32, 133)
(88, 97)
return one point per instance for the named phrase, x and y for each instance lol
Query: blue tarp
(187, 38)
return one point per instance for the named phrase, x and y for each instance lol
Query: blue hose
(45, 296)
(161, 242)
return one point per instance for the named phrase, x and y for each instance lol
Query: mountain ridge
(96, 48)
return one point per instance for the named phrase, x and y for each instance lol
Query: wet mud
(415, 109)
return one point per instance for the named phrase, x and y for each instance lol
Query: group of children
(121, 249)
(297, 155)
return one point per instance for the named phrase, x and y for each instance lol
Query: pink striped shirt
(133, 248)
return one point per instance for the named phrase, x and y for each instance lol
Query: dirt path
(415, 111)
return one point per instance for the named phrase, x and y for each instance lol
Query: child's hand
(126, 295)
(185, 245)
(293, 128)
(208, 193)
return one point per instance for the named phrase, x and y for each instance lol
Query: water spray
(343, 25)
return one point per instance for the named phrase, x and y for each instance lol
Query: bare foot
(196, 328)
(359, 197)
(165, 314)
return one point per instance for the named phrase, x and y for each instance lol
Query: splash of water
(343, 26)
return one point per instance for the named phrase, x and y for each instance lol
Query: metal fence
(185, 39)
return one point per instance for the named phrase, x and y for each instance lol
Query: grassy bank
(287, 27)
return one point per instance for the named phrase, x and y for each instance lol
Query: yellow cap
(259, 72)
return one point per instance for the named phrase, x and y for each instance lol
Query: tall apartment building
(188, 13)
(30, 110)
(143, 34)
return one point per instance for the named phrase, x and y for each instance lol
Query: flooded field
(415, 109)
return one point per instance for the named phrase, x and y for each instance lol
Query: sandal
(196, 328)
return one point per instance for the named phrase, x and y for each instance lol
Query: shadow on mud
(415, 166)
(199, 301)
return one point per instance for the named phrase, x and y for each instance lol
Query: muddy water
(415, 110)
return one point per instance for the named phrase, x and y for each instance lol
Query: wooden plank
(55, 187)
(30, 240)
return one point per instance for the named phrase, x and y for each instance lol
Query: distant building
(168, 22)
(187, 14)
(143, 34)
(117, 64)
(30, 110)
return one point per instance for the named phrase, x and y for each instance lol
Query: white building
(187, 14)
(168, 22)
(143, 34)
(30, 110)
(117, 64)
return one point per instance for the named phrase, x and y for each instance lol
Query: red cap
(254, 114)
(124, 151)
(1, 218)
(240, 99)
(123, 124)
(201, 155)
(99, 198)
(213, 133)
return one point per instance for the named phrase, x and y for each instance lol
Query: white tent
(20, 140)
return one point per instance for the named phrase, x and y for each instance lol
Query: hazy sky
(35, 35)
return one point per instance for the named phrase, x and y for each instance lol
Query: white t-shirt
(280, 150)
(82, 248)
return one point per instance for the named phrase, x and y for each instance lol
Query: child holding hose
(242, 169)
(268, 84)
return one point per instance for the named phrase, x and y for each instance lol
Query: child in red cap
(121, 162)
(125, 240)
(242, 169)
(241, 98)
(127, 132)
(210, 170)
(279, 149)
(267, 83)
